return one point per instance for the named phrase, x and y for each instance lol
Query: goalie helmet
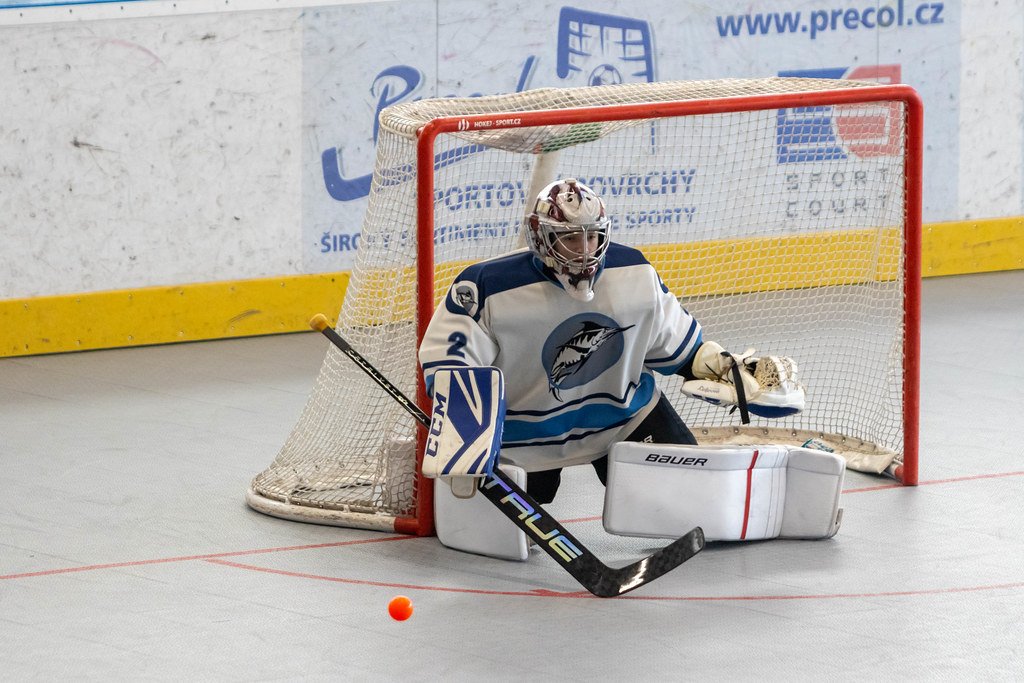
(568, 231)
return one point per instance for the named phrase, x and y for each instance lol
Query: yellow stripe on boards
(972, 246)
(158, 315)
(754, 264)
(760, 264)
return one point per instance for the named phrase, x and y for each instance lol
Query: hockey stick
(597, 577)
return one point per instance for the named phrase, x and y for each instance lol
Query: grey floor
(127, 552)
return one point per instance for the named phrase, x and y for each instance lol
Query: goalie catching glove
(765, 386)
(465, 427)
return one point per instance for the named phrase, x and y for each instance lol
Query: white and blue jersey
(578, 375)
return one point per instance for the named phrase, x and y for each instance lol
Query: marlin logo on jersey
(573, 355)
(592, 344)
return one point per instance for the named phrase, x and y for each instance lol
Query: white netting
(779, 228)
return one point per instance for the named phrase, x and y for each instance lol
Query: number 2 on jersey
(458, 340)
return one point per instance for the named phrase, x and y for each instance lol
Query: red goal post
(799, 277)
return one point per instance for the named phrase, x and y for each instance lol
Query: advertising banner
(360, 59)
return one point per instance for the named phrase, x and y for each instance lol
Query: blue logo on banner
(608, 49)
(806, 134)
(603, 48)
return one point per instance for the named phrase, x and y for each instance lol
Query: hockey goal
(784, 212)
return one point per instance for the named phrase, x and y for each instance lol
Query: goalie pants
(663, 425)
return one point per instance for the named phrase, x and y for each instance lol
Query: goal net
(783, 212)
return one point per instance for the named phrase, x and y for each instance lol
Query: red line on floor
(212, 556)
(543, 593)
(403, 537)
(404, 586)
(933, 482)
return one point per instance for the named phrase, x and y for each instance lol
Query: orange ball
(400, 608)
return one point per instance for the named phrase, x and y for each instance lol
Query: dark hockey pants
(663, 425)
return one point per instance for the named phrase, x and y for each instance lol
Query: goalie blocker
(465, 426)
(735, 493)
(462, 446)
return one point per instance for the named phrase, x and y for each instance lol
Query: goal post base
(351, 518)
(860, 455)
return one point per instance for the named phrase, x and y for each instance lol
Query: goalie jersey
(578, 375)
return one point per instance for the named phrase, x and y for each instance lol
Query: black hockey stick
(527, 514)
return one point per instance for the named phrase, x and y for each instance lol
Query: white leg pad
(814, 483)
(474, 525)
(734, 493)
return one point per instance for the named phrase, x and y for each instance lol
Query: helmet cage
(566, 216)
(567, 251)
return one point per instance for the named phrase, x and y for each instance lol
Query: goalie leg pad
(466, 422)
(475, 526)
(734, 493)
(814, 483)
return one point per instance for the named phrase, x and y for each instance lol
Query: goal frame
(907, 473)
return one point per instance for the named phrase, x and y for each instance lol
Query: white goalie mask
(568, 232)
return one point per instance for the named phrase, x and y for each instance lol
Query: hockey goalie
(545, 357)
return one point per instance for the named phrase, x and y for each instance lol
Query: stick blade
(611, 583)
